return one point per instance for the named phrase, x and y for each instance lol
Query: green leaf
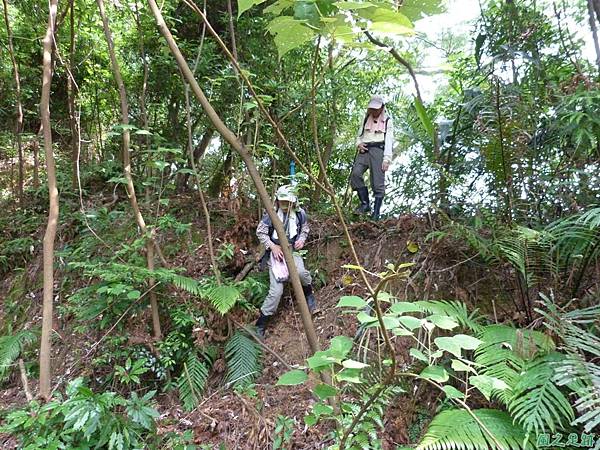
(320, 360)
(324, 391)
(424, 118)
(349, 375)
(456, 429)
(351, 364)
(351, 301)
(460, 366)
(467, 342)
(386, 20)
(133, 295)
(243, 356)
(278, 7)
(417, 9)
(363, 317)
(452, 392)
(448, 344)
(487, 384)
(310, 420)
(418, 354)
(289, 34)
(404, 307)
(391, 322)
(245, 5)
(292, 378)
(340, 346)
(435, 373)
(320, 409)
(353, 6)
(410, 322)
(443, 322)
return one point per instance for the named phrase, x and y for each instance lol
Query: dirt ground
(443, 270)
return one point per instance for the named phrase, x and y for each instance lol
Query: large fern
(579, 370)
(528, 251)
(192, 381)
(536, 402)
(505, 351)
(224, 297)
(243, 357)
(456, 429)
(11, 346)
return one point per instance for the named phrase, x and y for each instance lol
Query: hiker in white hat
(374, 145)
(295, 222)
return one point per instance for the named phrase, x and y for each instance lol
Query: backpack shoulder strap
(362, 131)
(301, 217)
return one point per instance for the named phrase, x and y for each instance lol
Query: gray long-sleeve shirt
(264, 227)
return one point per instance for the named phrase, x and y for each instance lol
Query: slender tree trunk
(127, 162)
(36, 158)
(594, 28)
(19, 106)
(71, 92)
(49, 236)
(235, 142)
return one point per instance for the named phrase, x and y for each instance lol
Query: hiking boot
(261, 325)
(376, 208)
(311, 301)
(363, 196)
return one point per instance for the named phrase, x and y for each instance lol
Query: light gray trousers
(271, 302)
(372, 160)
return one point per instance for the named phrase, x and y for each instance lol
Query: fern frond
(224, 297)
(192, 381)
(528, 251)
(578, 332)
(452, 308)
(456, 429)
(536, 403)
(243, 357)
(505, 351)
(11, 346)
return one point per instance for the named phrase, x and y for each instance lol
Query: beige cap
(376, 102)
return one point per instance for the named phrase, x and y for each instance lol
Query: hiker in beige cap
(374, 143)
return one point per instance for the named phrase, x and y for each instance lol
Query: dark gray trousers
(372, 160)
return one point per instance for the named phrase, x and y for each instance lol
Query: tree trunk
(71, 92)
(127, 163)
(36, 159)
(594, 28)
(234, 141)
(19, 106)
(49, 236)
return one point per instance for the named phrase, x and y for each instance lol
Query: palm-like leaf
(452, 308)
(11, 347)
(192, 381)
(224, 297)
(456, 429)
(505, 351)
(536, 402)
(579, 371)
(243, 357)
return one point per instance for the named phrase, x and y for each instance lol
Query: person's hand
(299, 245)
(277, 252)
(362, 147)
(385, 166)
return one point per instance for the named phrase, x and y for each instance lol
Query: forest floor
(444, 270)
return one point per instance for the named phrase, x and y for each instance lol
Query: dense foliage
(498, 147)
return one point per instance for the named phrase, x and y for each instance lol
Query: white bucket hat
(376, 102)
(286, 193)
